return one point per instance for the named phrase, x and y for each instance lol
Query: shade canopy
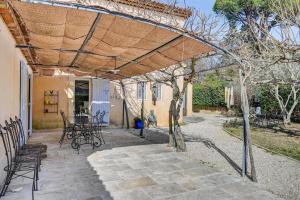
(95, 41)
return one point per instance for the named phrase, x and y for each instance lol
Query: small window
(140, 91)
(156, 89)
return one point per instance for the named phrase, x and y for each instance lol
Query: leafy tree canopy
(239, 6)
(240, 10)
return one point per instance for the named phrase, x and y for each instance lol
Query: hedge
(209, 93)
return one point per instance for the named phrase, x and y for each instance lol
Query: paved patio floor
(128, 167)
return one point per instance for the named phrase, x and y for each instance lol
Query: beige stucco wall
(10, 58)
(189, 104)
(64, 85)
(161, 109)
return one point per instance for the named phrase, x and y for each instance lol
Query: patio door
(82, 96)
(101, 98)
(24, 77)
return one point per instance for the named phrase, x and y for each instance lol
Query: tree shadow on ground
(209, 144)
(153, 135)
(161, 136)
(192, 119)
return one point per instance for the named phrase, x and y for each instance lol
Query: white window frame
(138, 95)
(158, 97)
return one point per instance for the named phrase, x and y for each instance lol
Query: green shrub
(209, 93)
(267, 100)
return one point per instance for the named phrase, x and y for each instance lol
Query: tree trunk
(286, 119)
(283, 106)
(176, 138)
(172, 139)
(247, 132)
(175, 133)
(289, 114)
(181, 146)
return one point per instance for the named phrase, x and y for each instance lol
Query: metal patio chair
(81, 131)
(96, 116)
(88, 130)
(36, 147)
(21, 154)
(19, 166)
(100, 121)
(67, 130)
(33, 151)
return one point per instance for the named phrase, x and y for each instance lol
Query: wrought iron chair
(17, 166)
(36, 147)
(81, 131)
(20, 154)
(21, 148)
(68, 129)
(100, 121)
(96, 116)
(88, 131)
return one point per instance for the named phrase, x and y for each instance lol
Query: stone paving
(128, 167)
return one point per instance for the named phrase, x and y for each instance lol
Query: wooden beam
(21, 30)
(3, 8)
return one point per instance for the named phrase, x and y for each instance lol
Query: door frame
(24, 111)
(30, 87)
(90, 92)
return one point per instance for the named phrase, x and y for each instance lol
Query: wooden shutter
(101, 98)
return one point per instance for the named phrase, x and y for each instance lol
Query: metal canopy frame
(124, 15)
(152, 51)
(100, 11)
(87, 38)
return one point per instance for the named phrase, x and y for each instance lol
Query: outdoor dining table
(85, 130)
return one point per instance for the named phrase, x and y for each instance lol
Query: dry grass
(276, 142)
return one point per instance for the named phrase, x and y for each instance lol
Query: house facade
(111, 100)
(48, 66)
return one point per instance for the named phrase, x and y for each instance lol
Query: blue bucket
(139, 124)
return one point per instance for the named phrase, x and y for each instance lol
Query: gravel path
(277, 174)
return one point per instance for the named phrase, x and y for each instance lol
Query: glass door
(82, 91)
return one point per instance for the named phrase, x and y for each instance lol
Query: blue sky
(204, 5)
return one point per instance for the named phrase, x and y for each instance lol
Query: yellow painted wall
(10, 74)
(10, 58)
(189, 104)
(64, 86)
(161, 109)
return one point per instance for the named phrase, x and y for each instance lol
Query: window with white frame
(140, 91)
(156, 90)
